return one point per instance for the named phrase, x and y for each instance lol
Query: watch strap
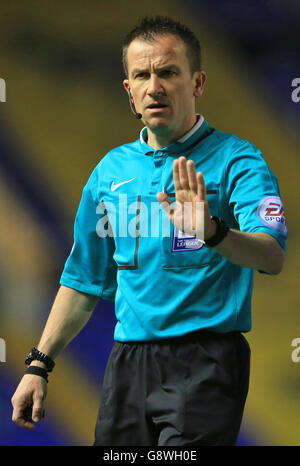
(36, 355)
(221, 232)
(37, 371)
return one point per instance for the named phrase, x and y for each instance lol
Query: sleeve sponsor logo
(270, 211)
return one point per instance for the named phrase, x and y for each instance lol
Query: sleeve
(253, 194)
(90, 267)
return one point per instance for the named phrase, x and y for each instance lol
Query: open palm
(191, 213)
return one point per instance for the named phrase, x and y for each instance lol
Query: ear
(126, 86)
(199, 80)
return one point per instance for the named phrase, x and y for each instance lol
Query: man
(178, 373)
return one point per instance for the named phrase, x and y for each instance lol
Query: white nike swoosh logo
(116, 186)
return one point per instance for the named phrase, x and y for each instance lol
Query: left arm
(258, 251)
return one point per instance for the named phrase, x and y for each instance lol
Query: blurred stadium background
(65, 109)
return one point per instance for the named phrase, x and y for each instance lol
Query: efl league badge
(184, 242)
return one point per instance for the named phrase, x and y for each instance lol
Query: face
(162, 86)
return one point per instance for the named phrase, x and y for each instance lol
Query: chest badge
(184, 242)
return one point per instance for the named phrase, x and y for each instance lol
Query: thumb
(165, 203)
(37, 409)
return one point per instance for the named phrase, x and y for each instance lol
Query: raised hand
(191, 213)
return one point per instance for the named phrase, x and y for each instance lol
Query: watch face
(35, 354)
(30, 357)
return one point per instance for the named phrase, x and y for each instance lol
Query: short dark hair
(150, 28)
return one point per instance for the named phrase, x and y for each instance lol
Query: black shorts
(181, 391)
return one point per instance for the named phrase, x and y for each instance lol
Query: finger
(166, 203)
(176, 179)
(163, 197)
(183, 176)
(201, 187)
(192, 176)
(18, 418)
(199, 220)
(37, 409)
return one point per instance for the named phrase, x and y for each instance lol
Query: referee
(178, 373)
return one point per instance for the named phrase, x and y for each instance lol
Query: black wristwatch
(221, 232)
(36, 355)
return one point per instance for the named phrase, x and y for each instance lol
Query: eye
(167, 73)
(142, 75)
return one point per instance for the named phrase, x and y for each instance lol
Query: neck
(159, 140)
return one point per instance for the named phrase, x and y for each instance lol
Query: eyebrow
(166, 67)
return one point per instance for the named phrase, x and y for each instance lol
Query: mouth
(156, 107)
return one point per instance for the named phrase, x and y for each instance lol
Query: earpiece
(136, 114)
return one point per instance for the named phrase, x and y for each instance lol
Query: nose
(154, 86)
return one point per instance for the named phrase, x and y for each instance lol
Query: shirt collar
(185, 141)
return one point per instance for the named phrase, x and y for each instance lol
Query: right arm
(70, 312)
